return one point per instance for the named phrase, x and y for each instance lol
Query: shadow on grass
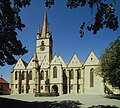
(103, 106)
(117, 97)
(11, 103)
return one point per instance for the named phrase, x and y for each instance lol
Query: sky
(64, 24)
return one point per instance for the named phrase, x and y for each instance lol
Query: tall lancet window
(23, 75)
(30, 75)
(79, 74)
(91, 77)
(72, 74)
(55, 72)
(16, 75)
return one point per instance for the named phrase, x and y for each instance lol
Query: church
(46, 73)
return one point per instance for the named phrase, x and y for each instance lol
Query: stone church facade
(45, 73)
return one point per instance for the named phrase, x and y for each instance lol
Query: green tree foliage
(110, 63)
(10, 20)
(104, 14)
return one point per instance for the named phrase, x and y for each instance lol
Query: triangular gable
(74, 62)
(20, 64)
(45, 63)
(55, 61)
(62, 61)
(30, 64)
(92, 59)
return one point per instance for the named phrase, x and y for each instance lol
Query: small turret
(35, 61)
(38, 33)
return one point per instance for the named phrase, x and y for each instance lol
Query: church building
(46, 73)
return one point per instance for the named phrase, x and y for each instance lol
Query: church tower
(44, 42)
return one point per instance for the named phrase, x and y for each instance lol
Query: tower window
(55, 72)
(42, 43)
(92, 77)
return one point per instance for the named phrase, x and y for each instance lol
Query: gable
(62, 61)
(91, 60)
(55, 61)
(74, 62)
(20, 64)
(45, 63)
(30, 64)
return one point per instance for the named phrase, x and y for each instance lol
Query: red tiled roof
(3, 81)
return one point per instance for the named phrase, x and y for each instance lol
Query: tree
(110, 63)
(10, 20)
(104, 14)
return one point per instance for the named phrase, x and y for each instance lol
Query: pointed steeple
(45, 28)
(35, 61)
(38, 33)
(35, 58)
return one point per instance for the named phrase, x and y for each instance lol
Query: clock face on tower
(42, 46)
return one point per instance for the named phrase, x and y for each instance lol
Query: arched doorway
(55, 88)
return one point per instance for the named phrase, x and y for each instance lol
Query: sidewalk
(85, 100)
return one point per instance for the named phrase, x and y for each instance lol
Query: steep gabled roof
(21, 64)
(24, 63)
(62, 61)
(45, 63)
(74, 62)
(30, 64)
(3, 81)
(92, 59)
(55, 61)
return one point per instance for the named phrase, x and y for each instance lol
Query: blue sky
(64, 24)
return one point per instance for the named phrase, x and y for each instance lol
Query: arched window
(16, 75)
(30, 75)
(55, 72)
(42, 43)
(42, 75)
(79, 74)
(91, 77)
(23, 76)
(72, 74)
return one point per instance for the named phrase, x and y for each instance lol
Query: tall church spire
(45, 28)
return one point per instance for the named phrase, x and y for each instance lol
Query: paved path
(85, 100)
